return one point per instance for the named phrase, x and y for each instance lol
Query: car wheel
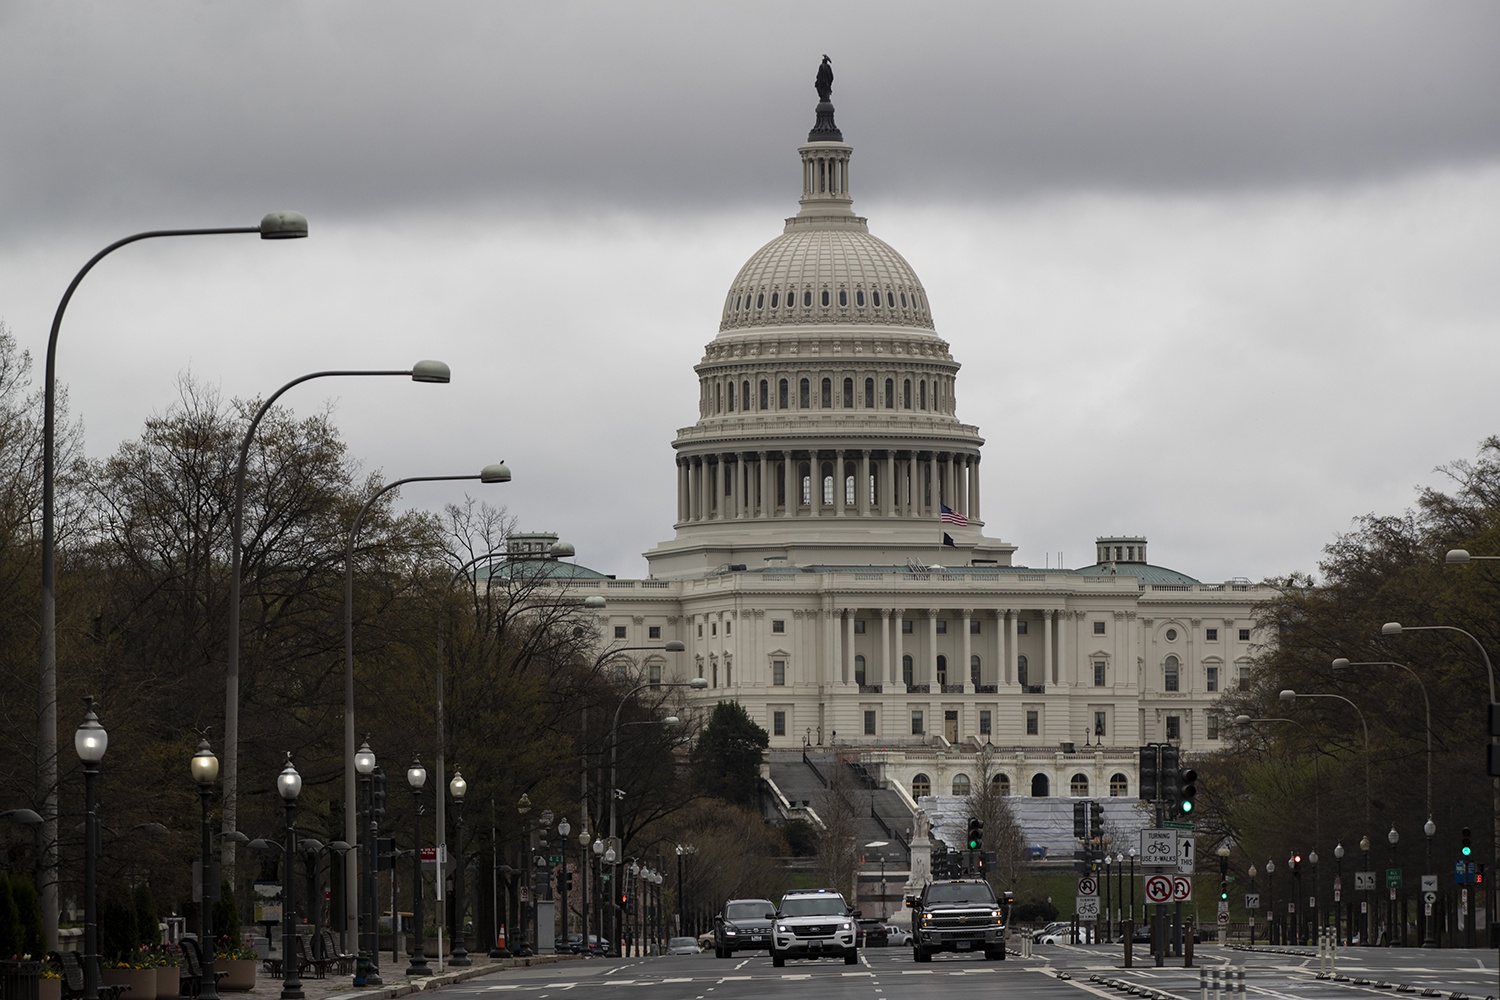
(851, 958)
(777, 961)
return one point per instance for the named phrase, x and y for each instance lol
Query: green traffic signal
(1468, 843)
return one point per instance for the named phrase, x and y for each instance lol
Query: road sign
(1223, 917)
(1393, 878)
(1087, 907)
(1182, 889)
(1159, 848)
(1364, 881)
(1252, 900)
(1177, 825)
(1186, 857)
(1158, 888)
(1429, 883)
(1429, 897)
(1088, 886)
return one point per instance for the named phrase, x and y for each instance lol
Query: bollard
(1202, 984)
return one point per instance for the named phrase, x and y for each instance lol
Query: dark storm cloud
(365, 109)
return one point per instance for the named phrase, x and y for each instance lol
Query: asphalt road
(1063, 971)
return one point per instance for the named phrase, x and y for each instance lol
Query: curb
(449, 977)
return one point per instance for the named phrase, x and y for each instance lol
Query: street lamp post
(1429, 936)
(457, 788)
(90, 741)
(497, 473)
(289, 784)
(1120, 892)
(274, 226)
(1108, 936)
(1313, 900)
(1339, 935)
(1132, 887)
(563, 829)
(1272, 934)
(697, 683)
(1364, 848)
(600, 902)
(367, 966)
(1390, 920)
(205, 771)
(416, 777)
(1249, 913)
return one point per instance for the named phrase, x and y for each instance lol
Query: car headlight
(730, 931)
(998, 916)
(783, 928)
(844, 926)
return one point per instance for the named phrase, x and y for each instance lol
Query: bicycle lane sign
(1159, 848)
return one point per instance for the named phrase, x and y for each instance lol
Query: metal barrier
(1222, 983)
(1328, 953)
(18, 980)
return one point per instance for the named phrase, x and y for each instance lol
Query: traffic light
(1479, 873)
(1187, 791)
(1096, 819)
(1223, 888)
(976, 834)
(568, 882)
(1468, 843)
(1080, 820)
(1168, 781)
(624, 900)
(1148, 773)
(377, 792)
(1297, 864)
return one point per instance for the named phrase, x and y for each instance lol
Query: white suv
(813, 923)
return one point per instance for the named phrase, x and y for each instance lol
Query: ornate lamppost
(416, 777)
(289, 784)
(1390, 920)
(1271, 930)
(457, 788)
(563, 829)
(1339, 937)
(205, 770)
(1364, 847)
(1249, 913)
(367, 966)
(90, 741)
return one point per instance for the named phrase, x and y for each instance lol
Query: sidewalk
(396, 982)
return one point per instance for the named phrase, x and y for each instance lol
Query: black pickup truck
(958, 915)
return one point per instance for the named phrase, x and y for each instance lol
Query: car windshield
(959, 894)
(755, 909)
(813, 906)
(683, 942)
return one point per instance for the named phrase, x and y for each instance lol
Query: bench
(305, 961)
(324, 947)
(71, 964)
(190, 973)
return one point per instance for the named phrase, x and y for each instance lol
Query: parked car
(682, 946)
(1057, 932)
(897, 937)
(596, 945)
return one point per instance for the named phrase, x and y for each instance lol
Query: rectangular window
(1099, 667)
(973, 626)
(619, 631)
(942, 627)
(653, 631)
(1032, 726)
(1174, 728)
(1244, 635)
(778, 625)
(1212, 635)
(700, 630)
(713, 628)
(916, 722)
(778, 673)
(1211, 679)
(1213, 725)
(728, 627)
(1100, 724)
(984, 722)
(778, 723)
(859, 626)
(1020, 628)
(1244, 678)
(869, 722)
(906, 626)
(1098, 628)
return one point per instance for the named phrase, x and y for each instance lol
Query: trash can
(18, 980)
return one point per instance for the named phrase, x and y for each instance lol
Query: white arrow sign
(1185, 856)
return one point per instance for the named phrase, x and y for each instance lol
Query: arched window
(1040, 786)
(806, 485)
(961, 784)
(745, 395)
(1021, 669)
(859, 668)
(1000, 784)
(775, 298)
(1119, 786)
(827, 485)
(906, 394)
(942, 669)
(781, 402)
(826, 395)
(1171, 675)
(843, 297)
(1078, 786)
(869, 394)
(859, 296)
(807, 299)
(849, 498)
(731, 397)
(825, 297)
(848, 394)
(804, 394)
(890, 394)
(760, 300)
(922, 394)
(921, 785)
(764, 394)
(974, 670)
(906, 669)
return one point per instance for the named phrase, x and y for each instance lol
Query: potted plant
(238, 959)
(165, 959)
(124, 962)
(135, 969)
(49, 986)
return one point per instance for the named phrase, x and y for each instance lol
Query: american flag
(951, 516)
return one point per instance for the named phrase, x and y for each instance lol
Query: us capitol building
(811, 579)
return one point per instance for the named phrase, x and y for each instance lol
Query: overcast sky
(1226, 274)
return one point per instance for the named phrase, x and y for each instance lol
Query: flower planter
(142, 982)
(168, 979)
(49, 989)
(241, 973)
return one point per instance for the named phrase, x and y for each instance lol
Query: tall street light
(1460, 557)
(457, 788)
(1429, 828)
(416, 777)
(428, 372)
(90, 741)
(274, 226)
(289, 784)
(205, 770)
(697, 683)
(367, 966)
(498, 473)
(1390, 921)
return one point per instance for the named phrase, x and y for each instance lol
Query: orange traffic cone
(500, 938)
